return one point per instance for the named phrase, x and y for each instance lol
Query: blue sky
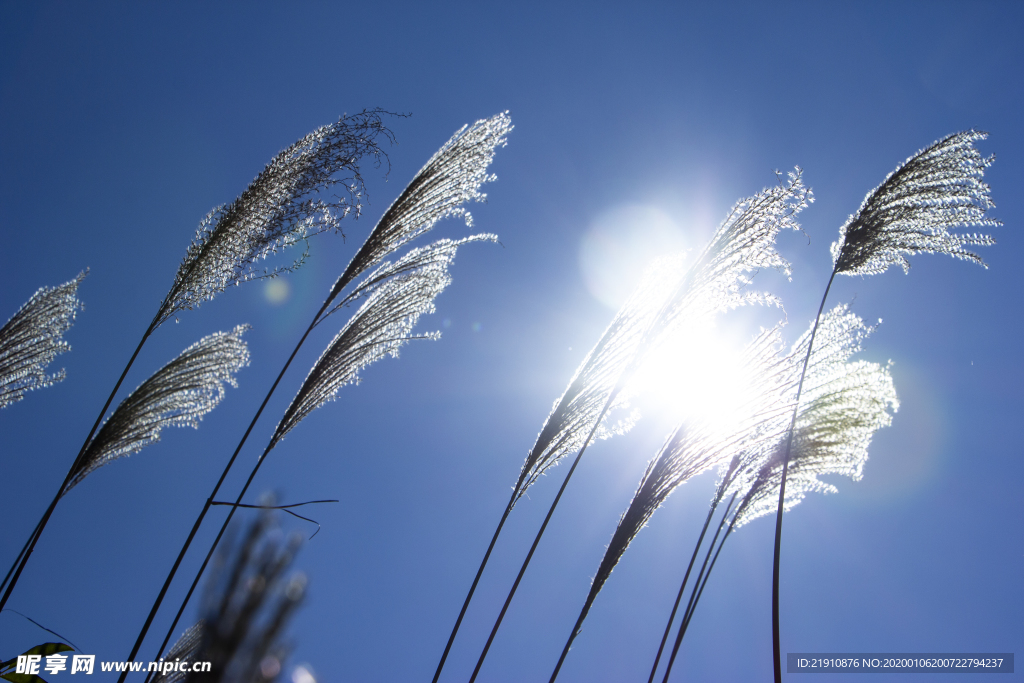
(122, 125)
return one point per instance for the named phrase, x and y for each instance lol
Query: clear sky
(636, 128)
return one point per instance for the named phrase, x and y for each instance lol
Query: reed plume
(177, 395)
(914, 208)
(665, 302)
(449, 180)
(844, 403)
(452, 177)
(281, 207)
(848, 402)
(911, 212)
(717, 281)
(695, 445)
(396, 296)
(33, 337)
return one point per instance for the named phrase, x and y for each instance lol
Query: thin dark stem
(620, 383)
(74, 468)
(283, 508)
(238, 501)
(526, 563)
(776, 639)
(682, 586)
(48, 630)
(273, 507)
(472, 589)
(697, 582)
(206, 507)
(685, 623)
(213, 547)
(24, 549)
(577, 627)
(728, 532)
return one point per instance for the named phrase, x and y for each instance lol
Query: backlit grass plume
(911, 212)
(281, 207)
(177, 395)
(33, 337)
(844, 404)
(664, 302)
(914, 208)
(396, 294)
(716, 281)
(445, 184)
(696, 446)
(758, 416)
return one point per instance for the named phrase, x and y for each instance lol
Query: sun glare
(696, 376)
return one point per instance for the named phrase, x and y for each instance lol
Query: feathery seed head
(178, 394)
(33, 337)
(280, 208)
(449, 180)
(842, 405)
(912, 211)
(695, 446)
(668, 302)
(396, 295)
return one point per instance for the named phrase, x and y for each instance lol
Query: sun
(695, 375)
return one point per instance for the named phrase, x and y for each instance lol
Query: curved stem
(74, 468)
(577, 627)
(21, 554)
(691, 603)
(685, 623)
(472, 589)
(529, 556)
(206, 507)
(682, 586)
(776, 639)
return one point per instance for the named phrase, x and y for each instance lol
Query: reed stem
(776, 639)
(21, 554)
(691, 603)
(526, 563)
(476, 580)
(682, 586)
(206, 507)
(74, 467)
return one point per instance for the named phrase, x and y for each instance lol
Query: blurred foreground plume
(33, 337)
(246, 607)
